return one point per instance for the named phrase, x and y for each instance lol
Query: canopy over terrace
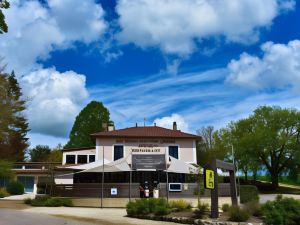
(121, 165)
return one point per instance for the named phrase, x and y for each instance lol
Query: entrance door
(28, 182)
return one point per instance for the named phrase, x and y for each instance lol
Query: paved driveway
(17, 217)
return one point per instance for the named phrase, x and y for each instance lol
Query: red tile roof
(146, 132)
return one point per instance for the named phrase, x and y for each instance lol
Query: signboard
(147, 148)
(148, 162)
(114, 191)
(209, 179)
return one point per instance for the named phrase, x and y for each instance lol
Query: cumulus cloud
(175, 25)
(54, 100)
(167, 122)
(278, 67)
(35, 29)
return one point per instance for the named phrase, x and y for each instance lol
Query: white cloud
(167, 122)
(174, 25)
(54, 100)
(279, 67)
(35, 29)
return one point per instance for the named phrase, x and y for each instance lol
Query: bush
(202, 211)
(15, 188)
(3, 193)
(50, 202)
(146, 206)
(248, 193)
(237, 214)
(253, 208)
(225, 207)
(27, 201)
(282, 211)
(180, 205)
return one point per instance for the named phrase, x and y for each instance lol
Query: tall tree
(13, 124)
(89, 121)
(40, 153)
(4, 4)
(270, 137)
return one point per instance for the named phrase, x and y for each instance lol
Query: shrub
(282, 211)
(161, 210)
(15, 188)
(202, 211)
(51, 202)
(237, 214)
(146, 206)
(225, 207)
(3, 193)
(253, 208)
(180, 205)
(248, 193)
(27, 201)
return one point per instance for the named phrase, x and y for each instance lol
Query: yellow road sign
(209, 179)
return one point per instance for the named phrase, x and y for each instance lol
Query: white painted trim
(194, 154)
(113, 151)
(179, 155)
(97, 149)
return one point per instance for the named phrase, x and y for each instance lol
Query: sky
(196, 62)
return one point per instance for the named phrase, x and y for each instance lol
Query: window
(82, 159)
(92, 158)
(70, 159)
(173, 151)
(118, 152)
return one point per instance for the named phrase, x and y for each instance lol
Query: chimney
(111, 127)
(155, 124)
(136, 125)
(104, 126)
(174, 125)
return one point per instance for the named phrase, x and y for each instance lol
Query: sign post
(211, 182)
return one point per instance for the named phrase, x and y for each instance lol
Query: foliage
(207, 148)
(201, 211)
(15, 188)
(56, 154)
(282, 211)
(49, 202)
(146, 206)
(180, 205)
(13, 124)
(27, 201)
(237, 214)
(268, 138)
(6, 170)
(225, 207)
(248, 193)
(40, 153)
(3, 193)
(253, 208)
(89, 121)
(4, 4)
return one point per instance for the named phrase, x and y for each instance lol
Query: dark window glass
(173, 151)
(118, 152)
(82, 159)
(70, 159)
(92, 158)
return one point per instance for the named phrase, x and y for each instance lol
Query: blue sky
(199, 62)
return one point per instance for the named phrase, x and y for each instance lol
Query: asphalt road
(17, 217)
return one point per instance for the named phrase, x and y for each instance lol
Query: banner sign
(209, 179)
(148, 162)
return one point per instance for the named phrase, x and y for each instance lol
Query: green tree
(56, 154)
(4, 4)
(89, 121)
(40, 153)
(13, 124)
(208, 147)
(6, 170)
(269, 137)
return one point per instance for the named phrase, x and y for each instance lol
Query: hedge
(248, 193)
(15, 188)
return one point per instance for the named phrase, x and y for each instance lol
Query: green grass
(283, 180)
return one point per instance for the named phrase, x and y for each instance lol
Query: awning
(115, 166)
(89, 165)
(178, 166)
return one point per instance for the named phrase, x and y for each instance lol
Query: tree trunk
(254, 175)
(274, 180)
(246, 176)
